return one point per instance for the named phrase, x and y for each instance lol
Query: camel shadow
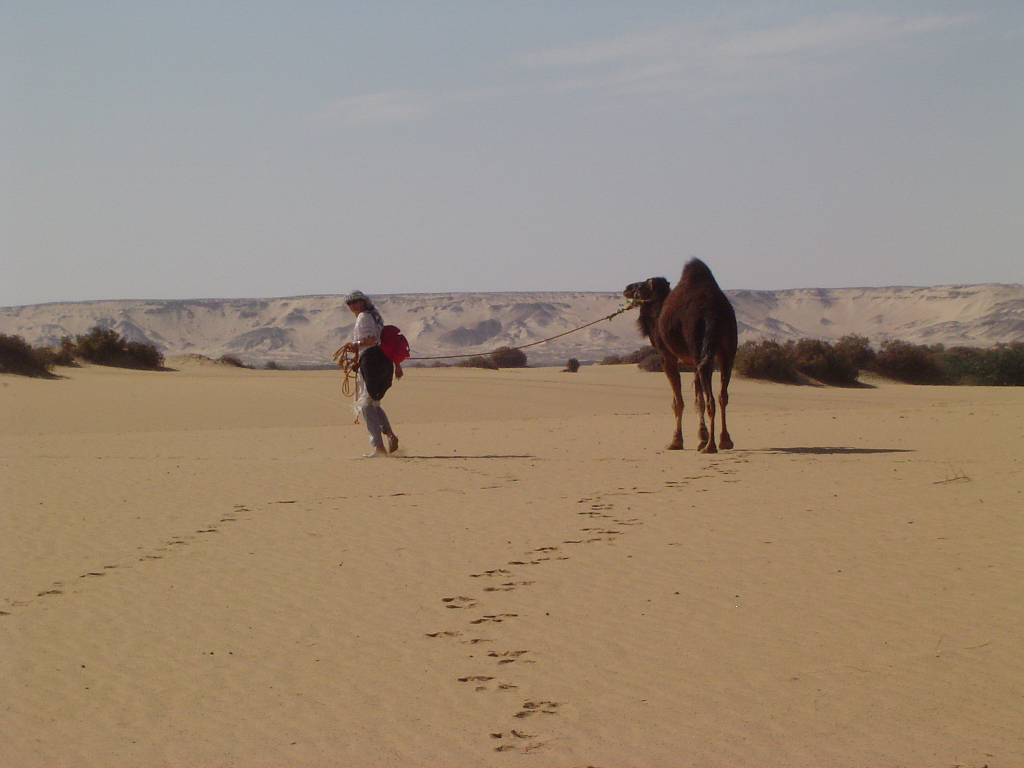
(466, 456)
(825, 450)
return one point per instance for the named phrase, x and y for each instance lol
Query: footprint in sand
(493, 572)
(530, 708)
(489, 683)
(496, 618)
(508, 657)
(461, 601)
(511, 739)
(508, 586)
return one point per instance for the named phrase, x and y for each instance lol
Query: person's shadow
(831, 450)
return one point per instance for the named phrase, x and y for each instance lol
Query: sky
(175, 150)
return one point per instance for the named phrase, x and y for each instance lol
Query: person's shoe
(378, 453)
(392, 443)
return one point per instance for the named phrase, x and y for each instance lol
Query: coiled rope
(348, 361)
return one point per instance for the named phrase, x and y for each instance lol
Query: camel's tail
(709, 345)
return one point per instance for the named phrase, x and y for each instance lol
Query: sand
(197, 569)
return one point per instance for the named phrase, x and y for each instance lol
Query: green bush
(63, 354)
(478, 361)
(819, 360)
(1007, 365)
(910, 363)
(856, 350)
(18, 356)
(1001, 366)
(105, 346)
(506, 357)
(765, 359)
(650, 362)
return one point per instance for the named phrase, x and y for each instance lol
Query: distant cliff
(307, 329)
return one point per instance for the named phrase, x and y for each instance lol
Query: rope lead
(349, 361)
(616, 313)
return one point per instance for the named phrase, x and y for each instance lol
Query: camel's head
(655, 289)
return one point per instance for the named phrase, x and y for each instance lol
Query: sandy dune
(197, 570)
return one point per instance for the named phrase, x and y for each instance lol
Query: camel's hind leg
(724, 440)
(671, 368)
(705, 403)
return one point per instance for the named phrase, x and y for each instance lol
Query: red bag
(393, 344)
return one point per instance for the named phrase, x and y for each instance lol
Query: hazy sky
(171, 149)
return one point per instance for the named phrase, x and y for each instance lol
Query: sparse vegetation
(478, 361)
(650, 361)
(18, 356)
(645, 358)
(507, 357)
(820, 361)
(765, 359)
(909, 363)
(1000, 366)
(572, 366)
(856, 350)
(839, 364)
(105, 346)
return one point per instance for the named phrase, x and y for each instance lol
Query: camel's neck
(648, 321)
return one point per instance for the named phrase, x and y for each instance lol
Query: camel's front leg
(671, 369)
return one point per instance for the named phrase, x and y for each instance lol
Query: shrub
(18, 356)
(143, 355)
(909, 363)
(506, 357)
(819, 360)
(634, 358)
(856, 350)
(1007, 364)
(572, 366)
(63, 354)
(230, 360)
(1003, 365)
(765, 359)
(612, 360)
(478, 361)
(965, 365)
(650, 362)
(105, 346)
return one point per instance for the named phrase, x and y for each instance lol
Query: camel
(693, 324)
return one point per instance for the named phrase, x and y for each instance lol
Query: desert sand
(198, 569)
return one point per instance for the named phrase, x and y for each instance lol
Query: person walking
(375, 373)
